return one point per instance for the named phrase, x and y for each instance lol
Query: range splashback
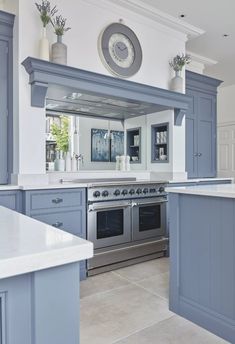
(66, 89)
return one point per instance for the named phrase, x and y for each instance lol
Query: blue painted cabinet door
(201, 126)
(191, 136)
(3, 110)
(206, 135)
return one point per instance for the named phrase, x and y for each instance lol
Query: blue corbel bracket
(178, 116)
(38, 94)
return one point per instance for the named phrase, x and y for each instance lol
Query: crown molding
(202, 59)
(152, 13)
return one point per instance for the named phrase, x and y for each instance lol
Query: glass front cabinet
(160, 143)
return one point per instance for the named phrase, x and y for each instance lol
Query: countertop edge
(35, 262)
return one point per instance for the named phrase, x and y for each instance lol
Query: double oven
(126, 224)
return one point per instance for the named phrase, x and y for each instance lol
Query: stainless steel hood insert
(71, 90)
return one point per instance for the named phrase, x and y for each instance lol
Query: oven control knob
(132, 191)
(138, 191)
(145, 191)
(105, 193)
(96, 194)
(161, 189)
(124, 192)
(117, 192)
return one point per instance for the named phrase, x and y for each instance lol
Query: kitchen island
(202, 256)
(39, 281)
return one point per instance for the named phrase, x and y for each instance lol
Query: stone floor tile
(144, 270)
(175, 330)
(157, 284)
(107, 317)
(101, 283)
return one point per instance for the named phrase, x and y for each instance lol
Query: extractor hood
(67, 89)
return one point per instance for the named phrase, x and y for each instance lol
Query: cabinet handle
(57, 224)
(57, 200)
(195, 154)
(199, 154)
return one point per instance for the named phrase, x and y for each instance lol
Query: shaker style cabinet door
(3, 111)
(191, 136)
(200, 143)
(206, 136)
(6, 96)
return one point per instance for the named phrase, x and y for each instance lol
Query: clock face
(120, 50)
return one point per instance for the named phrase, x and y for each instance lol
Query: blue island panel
(202, 261)
(41, 307)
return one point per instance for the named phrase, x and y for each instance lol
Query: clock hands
(120, 48)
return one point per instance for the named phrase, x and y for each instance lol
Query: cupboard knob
(57, 224)
(57, 200)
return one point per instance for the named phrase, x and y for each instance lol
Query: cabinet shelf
(134, 145)
(160, 143)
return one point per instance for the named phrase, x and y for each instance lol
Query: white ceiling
(216, 17)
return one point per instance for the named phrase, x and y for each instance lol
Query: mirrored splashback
(89, 143)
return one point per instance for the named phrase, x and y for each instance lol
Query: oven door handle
(148, 203)
(116, 206)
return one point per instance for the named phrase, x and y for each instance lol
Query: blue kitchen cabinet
(6, 102)
(201, 125)
(11, 200)
(62, 208)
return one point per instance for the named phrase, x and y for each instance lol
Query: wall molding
(153, 14)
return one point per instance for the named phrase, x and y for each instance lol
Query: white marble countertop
(198, 180)
(66, 185)
(219, 190)
(28, 245)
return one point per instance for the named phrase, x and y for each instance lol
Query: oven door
(109, 223)
(149, 218)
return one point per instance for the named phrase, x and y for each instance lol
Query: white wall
(226, 104)
(87, 20)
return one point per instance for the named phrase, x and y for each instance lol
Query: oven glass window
(110, 223)
(149, 217)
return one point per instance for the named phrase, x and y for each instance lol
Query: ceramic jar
(59, 52)
(44, 48)
(177, 83)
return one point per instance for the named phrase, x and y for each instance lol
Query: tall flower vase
(59, 52)
(177, 83)
(44, 48)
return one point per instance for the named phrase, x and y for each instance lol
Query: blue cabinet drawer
(71, 221)
(11, 200)
(52, 199)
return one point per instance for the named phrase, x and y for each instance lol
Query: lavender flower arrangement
(46, 12)
(179, 61)
(59, 24)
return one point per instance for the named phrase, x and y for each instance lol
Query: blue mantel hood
(67, 89)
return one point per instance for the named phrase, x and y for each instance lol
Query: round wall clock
(120, 50)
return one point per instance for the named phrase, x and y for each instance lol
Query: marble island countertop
(219, 190)
(28, 245)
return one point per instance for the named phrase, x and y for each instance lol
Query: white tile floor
(130, 306)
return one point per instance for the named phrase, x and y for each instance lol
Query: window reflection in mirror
(72, 144)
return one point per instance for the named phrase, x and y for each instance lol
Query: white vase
(74, 164)
(68, 162)
(177, 83)
(44, 48)
(59, 52)
(59, 162)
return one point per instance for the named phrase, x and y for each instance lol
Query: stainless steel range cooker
(126, 223)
